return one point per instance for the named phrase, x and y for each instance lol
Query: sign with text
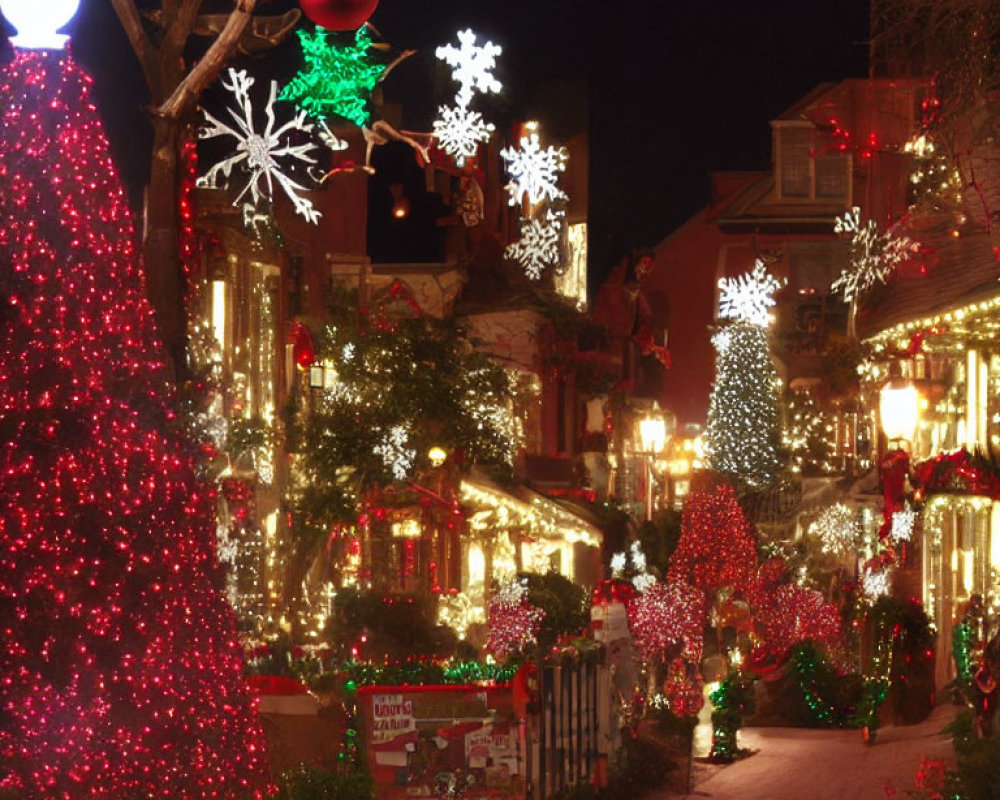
(392, 716)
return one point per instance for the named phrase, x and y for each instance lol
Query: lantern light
(652, 434)
(899, 409)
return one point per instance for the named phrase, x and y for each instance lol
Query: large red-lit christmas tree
(120, 669)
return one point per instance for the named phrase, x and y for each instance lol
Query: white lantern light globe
(37, 22)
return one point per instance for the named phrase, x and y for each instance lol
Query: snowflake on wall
(534, 172)
(472, 65)
(750, 296)
(837, 529)
(261, 152)
(538, 246)
(394, 452)
(875, 254)
(459, 131)
(902, 525)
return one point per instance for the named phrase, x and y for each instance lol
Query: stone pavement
(808, 764)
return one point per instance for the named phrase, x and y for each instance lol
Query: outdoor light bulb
(37, 22)
(437, 456)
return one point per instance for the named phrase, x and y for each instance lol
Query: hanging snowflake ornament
(534, 173)
(875, 582)
(260, 153)
(538, 246)
(836, 527)
(472, 66)
(902, 525)
(513, 622)
(750, 296)
(394, 452)
(459, 131)
(874, 254)
(338, 79)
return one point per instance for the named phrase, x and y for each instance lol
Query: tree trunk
(165, 280)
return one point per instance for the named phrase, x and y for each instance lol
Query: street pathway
(808, 764)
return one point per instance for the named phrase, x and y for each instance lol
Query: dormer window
(803, 170)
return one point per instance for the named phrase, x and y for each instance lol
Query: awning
(519, 507)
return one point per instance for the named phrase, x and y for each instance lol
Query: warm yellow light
(652, 434)
(219, 313)
(406, 529)
(437, 456)
(899, 410)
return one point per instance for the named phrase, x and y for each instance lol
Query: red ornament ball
(339, 15)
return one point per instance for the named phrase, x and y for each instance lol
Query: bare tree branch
(179, 29)
(206, 70)
(128, 14)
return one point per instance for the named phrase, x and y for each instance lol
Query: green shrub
(566, 606)
(312, 783)
(395, 627)
(642, 767)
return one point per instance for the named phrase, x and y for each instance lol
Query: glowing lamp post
(37, 22)
(899, 409)
(652, 441)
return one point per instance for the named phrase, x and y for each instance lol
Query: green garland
(728, 702)
(352, 674)
(805, 663)
(961, 648)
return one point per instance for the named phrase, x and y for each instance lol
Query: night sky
(675, 90)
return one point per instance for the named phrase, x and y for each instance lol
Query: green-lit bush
(312, 783)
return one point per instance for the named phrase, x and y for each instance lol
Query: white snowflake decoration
(395, 453)
(618, 561)
(638, 557)
(538, 246)
(534, 173)
(226, 548)
(261, 152)
(348, 352)
(641, 579)
(902, 525)
(472, 65)
(837, 529)
(750, 296)
(875, 583)
(459, 132)
(874, 254)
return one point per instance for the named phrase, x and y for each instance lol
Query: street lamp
(652, 441)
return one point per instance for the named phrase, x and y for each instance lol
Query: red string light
(120, 668)
(717, 547)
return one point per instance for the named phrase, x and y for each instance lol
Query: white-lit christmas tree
(743, 430)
